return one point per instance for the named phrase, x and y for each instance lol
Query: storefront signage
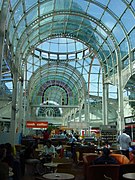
(130, 120)
(36, 124)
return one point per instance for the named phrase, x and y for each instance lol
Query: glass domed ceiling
(62, 45)
(62, 49)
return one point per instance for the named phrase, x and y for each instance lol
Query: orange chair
(120, 158)
(88, 160)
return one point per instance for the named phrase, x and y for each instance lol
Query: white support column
(105, 103)
(20, 105)
(26, 100)
(3, 16)
(120, 122)
(80, 114)
(13, 110)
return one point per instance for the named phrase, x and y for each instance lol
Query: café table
(130, 176)
(52, 165)
(59, 176)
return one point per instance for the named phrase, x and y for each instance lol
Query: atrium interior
(68, 62)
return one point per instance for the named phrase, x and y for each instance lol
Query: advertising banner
(36, 124)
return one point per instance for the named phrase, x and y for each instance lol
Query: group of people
(125, 147)
(8, 158)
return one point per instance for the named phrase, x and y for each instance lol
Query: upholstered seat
(88, 160)
(121, 159)
(30, 165)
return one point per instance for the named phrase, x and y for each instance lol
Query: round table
(59, 176)
(52, 165)
(130, 176)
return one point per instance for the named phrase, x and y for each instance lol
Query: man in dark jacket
(105, 158)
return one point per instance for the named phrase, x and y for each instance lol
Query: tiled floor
(78, 171)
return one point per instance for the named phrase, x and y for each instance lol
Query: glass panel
(24, 45)
(110, 42)
(46, 8)
(18, 13)
(46, 20)
(102, 32)
(105, 2)
(95, 11)
(117, 6)
(124, 48)
(60, 4)
(83, 5)
(114, 58)
(125, 63)
(128, 20)
(108, 20)
(62, 57)
(34, 34)
(133, 4)
(11, 32)
(32, 15)
(44, 29)
(21, 28)
(93, 78)
(13, 2)
(15, 43)
(0, 4)
(29, 3)
(118, 33)
(132, 38)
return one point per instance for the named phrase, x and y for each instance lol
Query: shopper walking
(125, 142)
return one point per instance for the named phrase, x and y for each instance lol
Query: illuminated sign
(36, 124)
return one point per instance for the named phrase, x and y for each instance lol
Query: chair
(30, 166)
(120, 158)
(78, 161)
(95, 172)
(88, 160)
(61, 154)
(107, 178)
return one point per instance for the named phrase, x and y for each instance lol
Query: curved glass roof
(58, 43)
(107, 28)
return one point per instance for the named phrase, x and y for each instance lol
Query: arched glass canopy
(66, 49)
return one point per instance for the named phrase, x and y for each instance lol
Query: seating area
(80, 165)
(88, 171)
(112, 171)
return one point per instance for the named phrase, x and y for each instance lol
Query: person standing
(125, 142)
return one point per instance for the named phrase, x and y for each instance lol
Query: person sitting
(132, 156)
(12, 161)
(48, 152)
(4, 168)
(105, 158)
(59, 147)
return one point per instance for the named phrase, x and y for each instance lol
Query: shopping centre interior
(66, 62)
